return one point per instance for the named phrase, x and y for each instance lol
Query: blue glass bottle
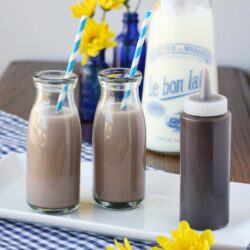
(90, 87)
(127, 41)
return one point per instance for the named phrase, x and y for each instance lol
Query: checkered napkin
(24, 236)
(13, 136)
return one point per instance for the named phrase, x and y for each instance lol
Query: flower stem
(103, 15)
(126, 4)
(138, 5)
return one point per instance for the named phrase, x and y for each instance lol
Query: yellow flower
(96, 37)
(111, 4)
(86, 8)
(185, 238)
(120, 246)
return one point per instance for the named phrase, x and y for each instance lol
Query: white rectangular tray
(158, 215)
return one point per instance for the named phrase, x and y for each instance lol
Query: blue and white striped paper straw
(137, 55)
(72, 61)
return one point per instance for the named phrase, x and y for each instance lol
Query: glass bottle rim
(54, 78)
(119, 78)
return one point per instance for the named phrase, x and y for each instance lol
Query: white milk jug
(180, 47)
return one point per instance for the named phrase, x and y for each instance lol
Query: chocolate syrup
(205, 160)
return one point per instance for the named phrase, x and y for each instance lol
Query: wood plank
(237, 89)
(17, 89)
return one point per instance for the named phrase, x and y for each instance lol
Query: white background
(44, 30)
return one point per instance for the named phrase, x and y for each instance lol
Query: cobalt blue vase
(90, 87)
(127, 41)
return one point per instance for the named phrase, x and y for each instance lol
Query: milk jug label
(163, 89)
(166, 88)
(181, 49)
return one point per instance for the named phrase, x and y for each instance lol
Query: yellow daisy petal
(85, 59)
(185, 238)
(96, 37)
(110, 248)
(85, 7)
(119, 245)
(163, 241)
(183, 226)
(127, 245)
(111, 4)
(207, 236)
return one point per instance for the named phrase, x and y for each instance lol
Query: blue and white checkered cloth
(25, 236)
(13, 136)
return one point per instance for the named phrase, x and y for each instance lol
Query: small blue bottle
(90, 87)
(127, 41)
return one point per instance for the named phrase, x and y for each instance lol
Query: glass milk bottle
(54, 147)
(119, 142)
(180, 46)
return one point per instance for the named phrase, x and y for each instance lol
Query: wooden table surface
(17, 94)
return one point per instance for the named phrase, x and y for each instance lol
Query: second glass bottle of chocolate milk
(119, 140)
(54, 147)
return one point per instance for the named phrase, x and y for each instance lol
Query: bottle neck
(49, 84)
(109, 96)
(45, 97)
(99, 59)
(130, 24)
(116, 83)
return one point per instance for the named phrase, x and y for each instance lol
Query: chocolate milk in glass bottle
(54, 147)
(205, 159)
(119, 142)
(180, 46)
